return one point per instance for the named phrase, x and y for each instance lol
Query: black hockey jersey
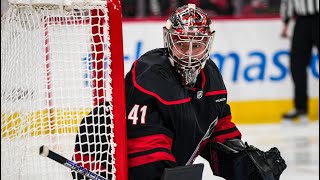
(169, 125)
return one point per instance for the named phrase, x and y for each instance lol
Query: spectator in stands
(129, 8)
(146, 8)
(218, 7)
(212, 7)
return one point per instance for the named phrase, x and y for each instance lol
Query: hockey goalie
(176, 110)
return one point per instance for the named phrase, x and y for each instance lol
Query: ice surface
(298, 144)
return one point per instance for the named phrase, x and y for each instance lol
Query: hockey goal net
(60, 59)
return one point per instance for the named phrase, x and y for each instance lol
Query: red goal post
(60, 59)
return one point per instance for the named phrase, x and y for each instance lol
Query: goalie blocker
(189, 172)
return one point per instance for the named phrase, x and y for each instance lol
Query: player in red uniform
(177, 109)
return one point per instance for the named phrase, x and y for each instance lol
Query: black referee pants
(305, 36)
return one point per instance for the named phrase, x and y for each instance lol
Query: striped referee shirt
(289, 8)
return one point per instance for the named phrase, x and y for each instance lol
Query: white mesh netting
(55, 69)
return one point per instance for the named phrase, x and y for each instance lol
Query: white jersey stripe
(300, 7)
(297, 6)
(303, 7)
(310, 6)
(290, 8)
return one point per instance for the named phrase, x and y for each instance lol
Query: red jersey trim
(146, 143)
(88, 162)
(224, 123)
(215, 162)
(203, 79)
(212, 93)
(157, 156)
(152, 93)
(222, 138)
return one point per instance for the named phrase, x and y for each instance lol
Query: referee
(305, 36)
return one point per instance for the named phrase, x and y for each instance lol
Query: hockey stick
(46, 152)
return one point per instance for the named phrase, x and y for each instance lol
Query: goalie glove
(275, 161)
(269, 165)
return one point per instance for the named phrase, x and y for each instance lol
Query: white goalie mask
(188, 36)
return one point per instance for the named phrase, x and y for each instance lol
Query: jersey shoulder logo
(199, 94)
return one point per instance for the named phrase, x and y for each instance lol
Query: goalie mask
(188, 36)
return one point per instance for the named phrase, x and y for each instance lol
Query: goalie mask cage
(60, 59)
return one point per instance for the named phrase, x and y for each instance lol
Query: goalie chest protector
(188, 116)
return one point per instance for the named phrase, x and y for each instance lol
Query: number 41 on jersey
(135, 112)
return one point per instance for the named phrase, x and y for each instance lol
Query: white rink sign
(251, 55)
